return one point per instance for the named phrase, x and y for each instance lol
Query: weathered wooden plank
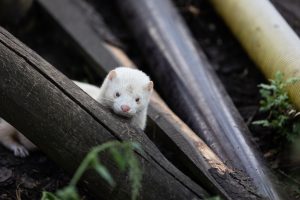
(192, 152)
(189, 85)
(66, 123)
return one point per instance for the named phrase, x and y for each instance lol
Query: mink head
(127, 91)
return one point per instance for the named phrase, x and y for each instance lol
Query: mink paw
(20, 151)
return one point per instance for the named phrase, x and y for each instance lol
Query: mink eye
(117, 94)
(137, 100)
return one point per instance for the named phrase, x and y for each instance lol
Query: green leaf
(267, 87)
(264, 123)
(68, 193)
(136, 146)
(119, 158)
(292, 80)
(279, 76)
(135, 175)
(104, 173)
(49, 196)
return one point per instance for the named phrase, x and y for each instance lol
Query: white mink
(126, 91)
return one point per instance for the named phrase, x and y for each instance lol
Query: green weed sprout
(282, 115)
(122, 153)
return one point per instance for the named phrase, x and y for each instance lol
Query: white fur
(129, 83)
(14, 140)
(91, 90)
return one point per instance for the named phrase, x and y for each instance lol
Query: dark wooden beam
(66, 123)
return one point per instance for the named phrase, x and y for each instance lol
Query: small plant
(123, 155)
(282, 115)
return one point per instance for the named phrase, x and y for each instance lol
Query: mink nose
(125, 108)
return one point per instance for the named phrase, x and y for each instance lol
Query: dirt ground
(26, 178)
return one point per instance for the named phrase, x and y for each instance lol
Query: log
(266, 37)
(65, 123)
(192, 89)
(199, 161)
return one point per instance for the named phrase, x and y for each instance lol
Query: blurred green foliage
(124, 156)
(281, 114)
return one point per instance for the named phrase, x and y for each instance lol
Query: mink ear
(112, 74)
(149, 86)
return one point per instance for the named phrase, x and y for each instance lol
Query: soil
(26, 178)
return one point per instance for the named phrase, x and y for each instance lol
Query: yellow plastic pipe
(266, 36)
